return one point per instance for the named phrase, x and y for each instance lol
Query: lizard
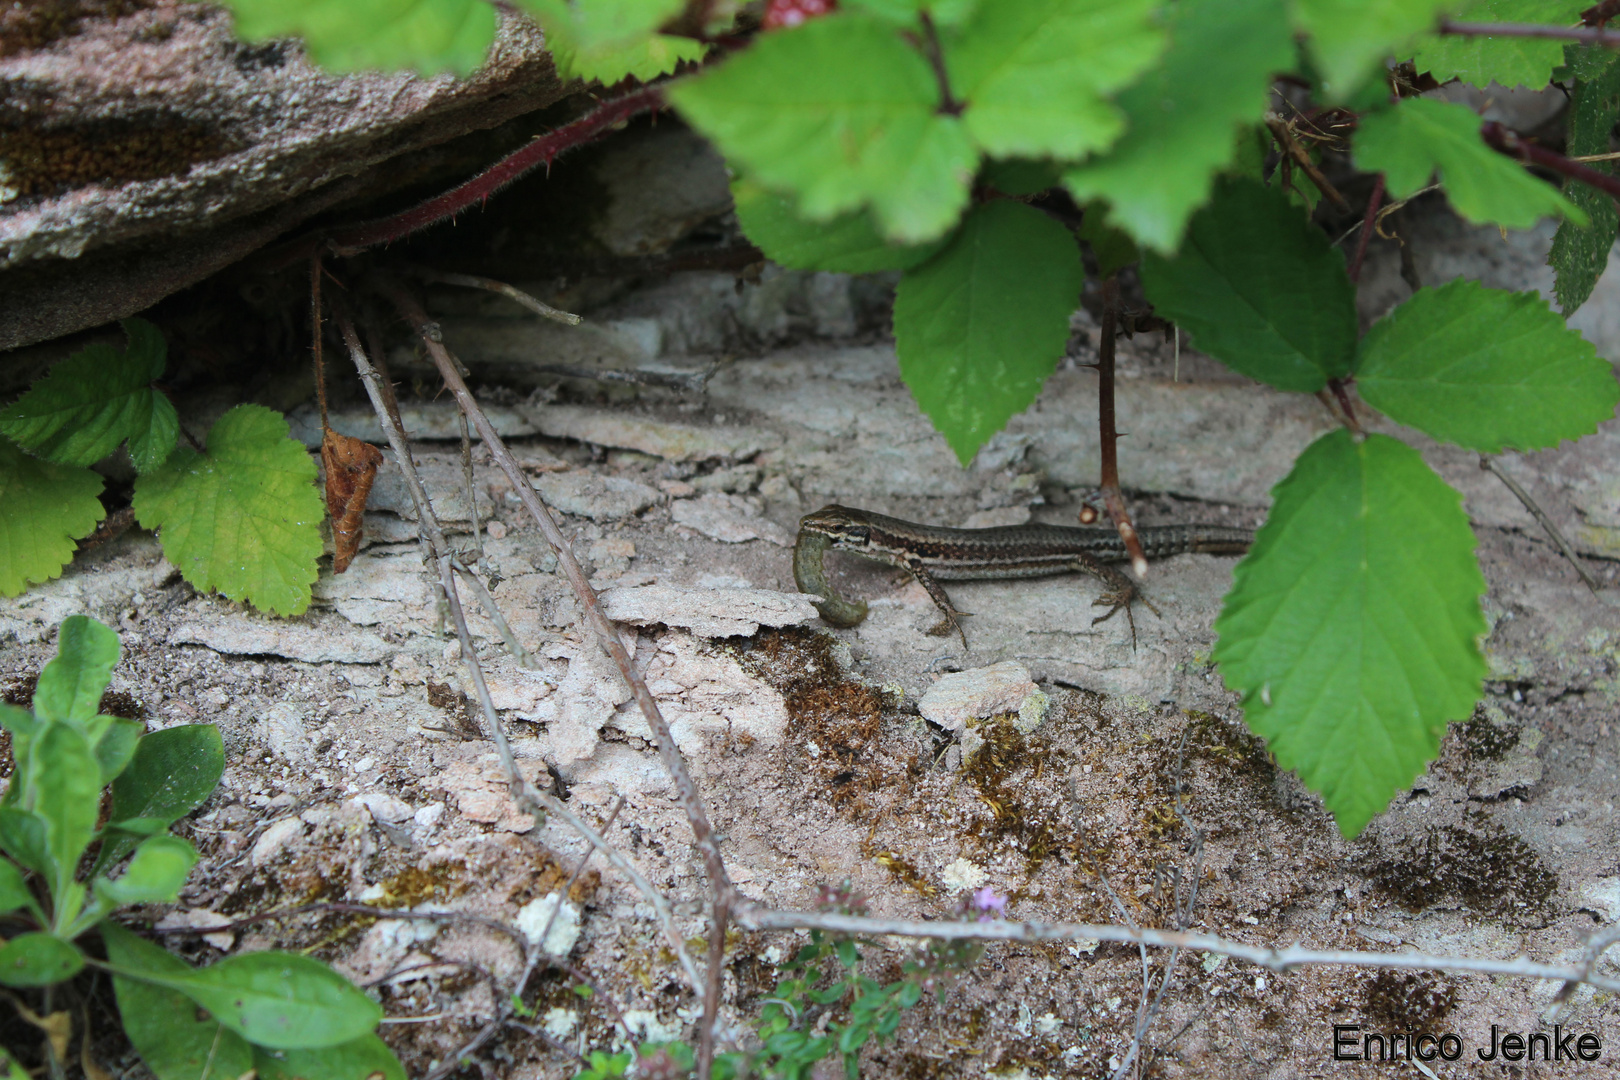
(933, 553)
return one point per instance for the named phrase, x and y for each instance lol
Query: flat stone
(600, 498)
(248, 635)
(662, 439)
(964, 696)
(728, 518)
(722, 612)
(285, 731)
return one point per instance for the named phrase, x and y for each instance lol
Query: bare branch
(511, 292)
(1490, 466)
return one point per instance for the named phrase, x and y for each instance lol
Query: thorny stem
(1367, 220)
(387, 414)
(753, 917)
(542, 151)
(697, 817)
(1285, 137)
(1584, 34)
(1490, 466)
(1510, 143)
(1108, 434)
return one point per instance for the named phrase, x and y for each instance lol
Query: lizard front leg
(1118, 593)
(936, 592)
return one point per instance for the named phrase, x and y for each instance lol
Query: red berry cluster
(781, 13)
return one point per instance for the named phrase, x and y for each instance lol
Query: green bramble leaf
(1035, 76)
(945, 13)
(1580, 254)
(1510, 61)
(428, 36)
(848, 244)
(1114, 250)
(981, 325)
(1408, 142)
(1351, 38)
(843, 114)
(175, 1039)
(243, 518)
(1352, 628)
(365, 1058)
(38, 959)
(645, 59)
(1259, 289)
(1485, 369)
(593, 25)
(1183, 116)
(44, 508)
(94, 400)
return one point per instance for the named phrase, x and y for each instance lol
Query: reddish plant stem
(931, 48)
(542, 151)
(1508, 142)
(1108, 434)
(1341, 393)
(1584, 34)
(1367, 222)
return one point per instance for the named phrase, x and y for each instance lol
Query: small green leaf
(359, 1059)
(1408, 142)
(1352, 628)
(70, 686)
(278, 1000)
(1510, 61)
(59, 780)
(844, 114)
(1485, 369)
(1580, 254)
(245, 517)
(117, 747)
(154, 876)
(44, 508)
(1259, 289)
(981, 325)
(598, 24)
(94, 400)
(428, 36)
(848, 244)
(38, 959)
(1351, 38)
(1035, 76)
(175, 1039)
(14, 892)
(1183, 115)
(22, 834)
(172, 773)
(646, 59)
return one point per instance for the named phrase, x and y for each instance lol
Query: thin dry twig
(752, 916)
(511, 292)
(1285, 136)
(1490, 466)
(1366, 229)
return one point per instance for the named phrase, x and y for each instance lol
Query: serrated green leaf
(646, 59)
(1352, 628)
(175, 1039)
(848, 244)
(44, 508)
(1485, 369)
(278, 1000)
(843, 114)
(981, 325)
(593, 25)
(38, 959)
(14, 892)
(1351, 38)
(172, 773)
(364, 1058)
(245, 517)
(1259, 289)
(1215, 75)
(154, 875)
(1035, 76)
(428, 36)
(1510, 61)
(1409, 142)
(70, 687)
(94, 400)
(1580, 254)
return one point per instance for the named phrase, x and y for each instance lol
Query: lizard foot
(1115, 599)
(949, 623)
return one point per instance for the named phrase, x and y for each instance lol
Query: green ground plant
(282, 1014)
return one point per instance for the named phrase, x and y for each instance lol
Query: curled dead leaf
(351, 467)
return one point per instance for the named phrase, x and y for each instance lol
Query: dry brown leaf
(351, 466)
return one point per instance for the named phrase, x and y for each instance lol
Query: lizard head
(841, 526)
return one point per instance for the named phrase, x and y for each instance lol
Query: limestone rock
(721, 612)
